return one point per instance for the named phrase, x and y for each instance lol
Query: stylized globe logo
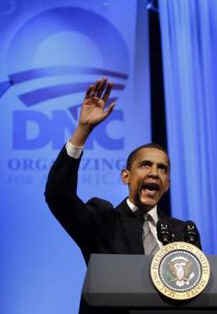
(58, 53)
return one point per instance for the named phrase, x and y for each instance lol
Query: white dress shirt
(74, 151)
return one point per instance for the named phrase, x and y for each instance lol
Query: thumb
(109, 110)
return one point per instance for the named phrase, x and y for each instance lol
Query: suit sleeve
(76, 217)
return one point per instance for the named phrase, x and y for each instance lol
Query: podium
(123, 281)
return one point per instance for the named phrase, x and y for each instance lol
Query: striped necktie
(149, 241)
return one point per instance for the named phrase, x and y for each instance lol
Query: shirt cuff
(73, 151)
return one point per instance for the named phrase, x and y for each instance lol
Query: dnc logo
(52, 59)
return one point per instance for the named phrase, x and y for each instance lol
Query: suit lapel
(131, 226)
(161, 214)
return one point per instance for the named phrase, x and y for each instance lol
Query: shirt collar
(152, 212)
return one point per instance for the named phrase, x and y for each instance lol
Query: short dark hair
(132, 155)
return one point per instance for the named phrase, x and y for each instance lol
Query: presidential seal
(180, 271)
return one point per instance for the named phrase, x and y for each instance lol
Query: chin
(147, 202)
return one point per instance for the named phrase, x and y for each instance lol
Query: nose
(154, 172)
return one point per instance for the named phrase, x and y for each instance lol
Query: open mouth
(148, 186)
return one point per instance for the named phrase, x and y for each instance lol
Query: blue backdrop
(189, 57)
(50, 52)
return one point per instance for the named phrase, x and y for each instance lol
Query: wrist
(85, 128)
(80, 135)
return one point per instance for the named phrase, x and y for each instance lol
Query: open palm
(93, 107)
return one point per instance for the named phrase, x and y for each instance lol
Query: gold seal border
(160, 286)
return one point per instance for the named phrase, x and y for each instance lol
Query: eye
(163, 167)
(145, 164)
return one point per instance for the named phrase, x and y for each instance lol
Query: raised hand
(93, 108)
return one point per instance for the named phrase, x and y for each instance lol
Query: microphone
(164, 233)
(191, 234)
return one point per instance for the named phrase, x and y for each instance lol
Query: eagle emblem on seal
(180, 269)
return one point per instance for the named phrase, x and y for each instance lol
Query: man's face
(148, 177)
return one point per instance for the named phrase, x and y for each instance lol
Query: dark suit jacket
(96, 226)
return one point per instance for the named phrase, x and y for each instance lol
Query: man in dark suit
(96, 226)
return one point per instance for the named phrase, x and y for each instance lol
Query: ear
(125, 176)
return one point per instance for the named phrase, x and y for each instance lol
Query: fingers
(101, 89)
(90, 91)
(107, 92)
